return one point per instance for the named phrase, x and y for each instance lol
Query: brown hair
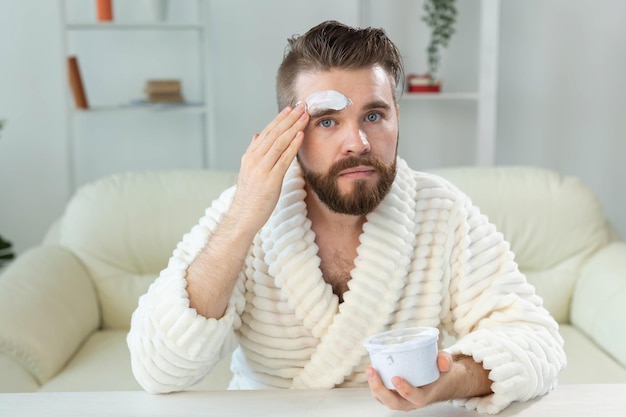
(332, 45)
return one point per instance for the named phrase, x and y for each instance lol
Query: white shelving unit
(203, 108)
(488, 82)
(485, 96)
(440, 96)
(132, 26)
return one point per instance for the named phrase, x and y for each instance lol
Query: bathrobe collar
(382, 263)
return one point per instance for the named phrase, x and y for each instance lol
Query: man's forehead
(340, 79)
(335, 90)
(327, 100)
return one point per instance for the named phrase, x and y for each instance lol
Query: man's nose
(355, 140)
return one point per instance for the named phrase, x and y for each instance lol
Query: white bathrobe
(427, 257)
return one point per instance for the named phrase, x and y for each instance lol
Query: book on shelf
(163, 91)
(162, 86)
(76, 83)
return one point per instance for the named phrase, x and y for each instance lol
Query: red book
(76, 83)
(105, 10)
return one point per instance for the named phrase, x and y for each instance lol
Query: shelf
(147, 108)
(439, 96)
(132, 26)
(132, 107)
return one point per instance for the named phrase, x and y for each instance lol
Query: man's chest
(336, 264)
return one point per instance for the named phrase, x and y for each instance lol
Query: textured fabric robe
(427, 257)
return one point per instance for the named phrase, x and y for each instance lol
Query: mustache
(355, 161)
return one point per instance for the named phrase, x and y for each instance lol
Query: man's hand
(211, 276)
(265, 164)
(460, 378)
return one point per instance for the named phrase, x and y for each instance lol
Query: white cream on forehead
(326, 100)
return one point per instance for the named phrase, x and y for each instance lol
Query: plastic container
(409, 353)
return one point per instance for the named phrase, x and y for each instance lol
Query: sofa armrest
(598, 308)
(14, 377)
(48, 306)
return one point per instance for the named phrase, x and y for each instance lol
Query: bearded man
(329, 237)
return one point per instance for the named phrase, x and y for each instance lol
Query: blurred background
(534, 82)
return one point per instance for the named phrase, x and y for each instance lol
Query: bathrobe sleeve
(171, 346)
(497, 317)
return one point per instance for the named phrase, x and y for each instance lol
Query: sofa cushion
(125, 227)
(587, 363)
(47, 308)
(14, 376)
(553, 223)
(103, 364)
(600, 293)
(556, 286)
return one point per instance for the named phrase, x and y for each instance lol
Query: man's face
(349, 156)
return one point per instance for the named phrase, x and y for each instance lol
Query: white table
(566, 401)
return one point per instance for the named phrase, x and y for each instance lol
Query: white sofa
(65, 305)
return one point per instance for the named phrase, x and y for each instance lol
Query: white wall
(33, 159)
(561, 98)
(562, 94)
(435, 133)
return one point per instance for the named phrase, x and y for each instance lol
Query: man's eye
(373, 117)
(327, 123)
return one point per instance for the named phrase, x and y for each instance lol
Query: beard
(362, 198)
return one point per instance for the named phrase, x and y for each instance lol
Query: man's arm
(499, 318)
(213, 273)
(165, 335)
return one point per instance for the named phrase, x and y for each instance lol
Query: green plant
(440, 16)
(6, 254)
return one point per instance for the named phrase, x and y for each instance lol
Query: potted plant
(6, 253)
(440, 17)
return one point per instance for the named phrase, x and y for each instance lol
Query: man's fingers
(444, 361)
(275, 143)
(264, 164)
(283, 120)
(284, 160)
(256, 143)
(384, 395)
